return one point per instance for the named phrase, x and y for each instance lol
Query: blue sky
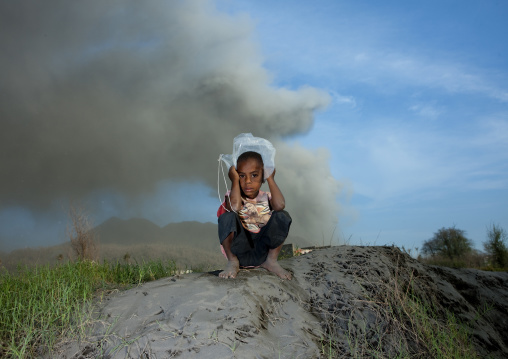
(418, 126)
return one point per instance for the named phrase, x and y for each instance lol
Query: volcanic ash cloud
(123, 95)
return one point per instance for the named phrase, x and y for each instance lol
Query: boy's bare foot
(231, 270)
(274, 266)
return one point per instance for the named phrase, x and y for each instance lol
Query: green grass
(41, 305)
(440, 337)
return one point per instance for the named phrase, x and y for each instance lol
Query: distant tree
(495, 246)
(81, 233)
(432, 247)
(450, 242)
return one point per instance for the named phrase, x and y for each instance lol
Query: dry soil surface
(343, 301)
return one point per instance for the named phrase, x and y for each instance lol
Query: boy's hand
(278, 203)
(235, 200)
(272, 176)
(233, 175)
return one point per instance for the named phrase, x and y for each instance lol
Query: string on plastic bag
(219, 168)
(242, 143)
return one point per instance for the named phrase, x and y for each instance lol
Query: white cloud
(452, 77)
(343, 100)
(392, 69)
(427, 111)
(410, 160)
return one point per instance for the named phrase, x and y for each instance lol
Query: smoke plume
(121, 95)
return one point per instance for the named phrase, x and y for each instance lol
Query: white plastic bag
(245, 142)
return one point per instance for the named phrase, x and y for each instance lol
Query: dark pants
(252, 248)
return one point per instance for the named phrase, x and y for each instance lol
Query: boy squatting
(254, 235)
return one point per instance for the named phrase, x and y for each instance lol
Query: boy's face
(251, 177)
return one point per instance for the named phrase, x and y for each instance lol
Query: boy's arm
(234, 202)
(277, 202)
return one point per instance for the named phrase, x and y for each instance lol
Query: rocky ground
(343, 301)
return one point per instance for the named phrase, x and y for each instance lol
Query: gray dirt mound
(360, 292)
(343, 302)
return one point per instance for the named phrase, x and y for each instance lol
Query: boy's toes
(274, 267)
(284, 274)
(231, 270)
(287, 275)
(226, 274)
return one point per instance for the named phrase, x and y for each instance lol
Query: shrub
(81, 233)
(495, 246)
(450, 242)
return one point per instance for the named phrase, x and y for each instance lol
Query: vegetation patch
(449, 247)
(39, 306)
(395, 317)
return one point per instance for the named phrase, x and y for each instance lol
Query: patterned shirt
(256, 212)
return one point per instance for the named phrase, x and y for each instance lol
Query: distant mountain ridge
(187, 243)
(140, 230)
